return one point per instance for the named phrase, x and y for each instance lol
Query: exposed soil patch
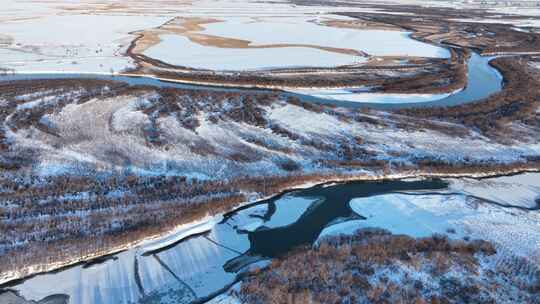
(192, 28)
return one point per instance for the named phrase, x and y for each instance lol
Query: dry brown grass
(357, 269)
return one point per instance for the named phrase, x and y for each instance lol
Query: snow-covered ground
(70, 43)
(108, 133)
(424, 215)
(114, 141)
(70, 36)
(535, 65)
(519, 23)
(198, 267)
(47, 36)
(288, 210)
(518, 190)
(310, 31)
(518, 7)
(366, 97)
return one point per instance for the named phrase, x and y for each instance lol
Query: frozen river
(482, 81)
(199, 261)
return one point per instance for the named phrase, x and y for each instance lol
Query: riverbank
(186, 229)
(295, 218)
(379, 74)
(482, 81)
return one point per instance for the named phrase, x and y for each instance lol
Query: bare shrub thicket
(518, 102)
(374, 266)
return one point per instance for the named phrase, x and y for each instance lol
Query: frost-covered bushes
(72, 216)
(517, 102)
(374, 266)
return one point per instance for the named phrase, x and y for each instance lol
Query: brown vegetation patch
(374, 266)
(517, 102)
(178, 26)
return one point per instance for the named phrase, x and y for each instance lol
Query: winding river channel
(483, 80)
(199, 261)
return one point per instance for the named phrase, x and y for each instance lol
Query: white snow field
(312, 31)
(527, 8)
(62, 36)
(353, 95)
(70, 43)
(74, 36)
(518, 190)
(519, 23)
